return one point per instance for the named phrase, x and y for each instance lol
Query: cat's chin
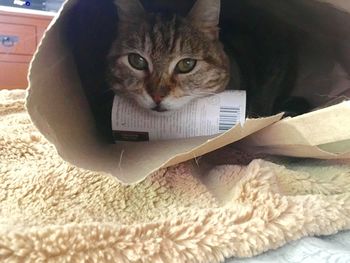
(161, 113)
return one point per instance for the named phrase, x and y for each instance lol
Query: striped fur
(163, 41)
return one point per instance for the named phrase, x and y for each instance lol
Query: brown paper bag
(323, 134)
(65, 79)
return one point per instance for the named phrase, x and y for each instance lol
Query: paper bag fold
(58, 103)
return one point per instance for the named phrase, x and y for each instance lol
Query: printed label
(206, 116)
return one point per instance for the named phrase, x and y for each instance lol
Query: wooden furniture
(20, 34)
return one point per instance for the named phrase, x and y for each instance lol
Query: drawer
(15, 58)
(24, 37)
(13, 75)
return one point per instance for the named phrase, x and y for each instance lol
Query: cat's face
(164, 63)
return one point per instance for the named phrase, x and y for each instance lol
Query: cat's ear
(129, 11)
(205, 15)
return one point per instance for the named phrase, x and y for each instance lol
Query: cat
(164, 61)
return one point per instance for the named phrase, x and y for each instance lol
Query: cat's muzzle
(159, 108)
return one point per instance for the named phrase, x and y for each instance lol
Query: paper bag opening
(70, 102)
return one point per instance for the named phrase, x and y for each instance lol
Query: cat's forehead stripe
(162, 41)
(169, 37)
(163, 34)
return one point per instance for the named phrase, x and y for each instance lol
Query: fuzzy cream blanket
(51, 211)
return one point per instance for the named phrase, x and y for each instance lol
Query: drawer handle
(8, 41)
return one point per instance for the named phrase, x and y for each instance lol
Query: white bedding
(330, 249)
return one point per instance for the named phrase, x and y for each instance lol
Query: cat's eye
(185, 65)
(137, 62)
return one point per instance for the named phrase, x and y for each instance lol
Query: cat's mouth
(159, 108)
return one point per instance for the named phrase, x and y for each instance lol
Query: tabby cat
(164, 61)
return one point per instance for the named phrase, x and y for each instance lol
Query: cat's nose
(159, 95)
(157, 98)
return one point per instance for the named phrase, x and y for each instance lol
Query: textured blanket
(51, 211)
